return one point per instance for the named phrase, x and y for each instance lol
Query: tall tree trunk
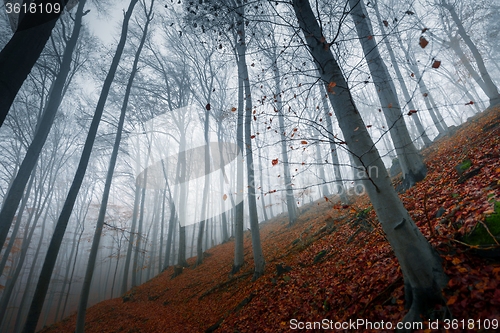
(67, 272)
(271, 204)
(290, 198)
(192, 239)
(320, 167)
(19, 218)
(70, 279)
(136, 267)
(411, 161)
(173, 213)
(490, 89)
(262, 196)
(62, 222)
(206, 185)
(333, 148)
(84, 295)
(258, 255)
(24, 299)
(171, 223)
(9, 288)
(436, 117)
(223, 178)
(118, 255)
(239, 209)
(22, 51)
(181, 257)
(162, 227)
(131, 240)
(420, 264)
(11, 202)
(415, 117)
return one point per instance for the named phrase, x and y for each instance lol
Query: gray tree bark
(84, 295)
(22, 51)
(436, 117)
(490, 89)
(244, 79)
(55, 243)
(11, 202)
(411, 161)
(333, 147)
(131, 240)
(290, 198)
(199, 259)
(239, 209)
(415, 117)
(420, 264)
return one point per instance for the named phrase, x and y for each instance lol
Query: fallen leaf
(423, 42)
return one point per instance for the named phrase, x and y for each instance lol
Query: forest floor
(337, 263)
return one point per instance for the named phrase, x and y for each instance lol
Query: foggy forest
(249, 166)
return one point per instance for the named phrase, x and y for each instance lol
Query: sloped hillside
(335, 263)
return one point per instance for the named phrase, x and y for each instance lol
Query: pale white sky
(106, 26)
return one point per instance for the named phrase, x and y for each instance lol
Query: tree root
(423, 303)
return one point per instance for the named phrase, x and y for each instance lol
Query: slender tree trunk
(75, 260)
(136, 267)
(174, 239)
(131, 240)
(118, 255)
(271, 203)
(22, 51)
(206, 234)
(252, 202)
(262, 197)
(420, 264)
(162, 231)
(320, 166)
(55, 243)
(411, 161)
(24, 299)
(173, 217)
(84, 296)
(146, 252)
(171, 223)
(67, 272)
(333, 148)
(290, 198)
(223, 179)
(199, 259)
(11, 202)
(192, 239)
(433, 110)
(9, 288)
(490, 89)
(19, 218)
(239, 209)
(152, 232)
(181, 258)
(415, 117)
